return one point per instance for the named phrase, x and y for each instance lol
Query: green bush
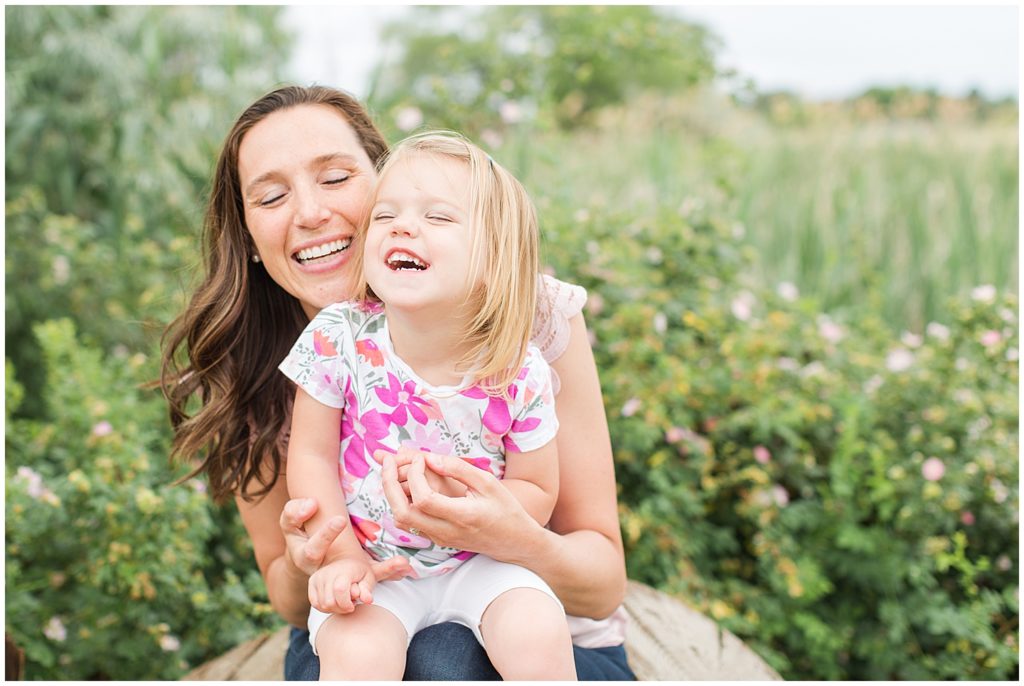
(844, 501)
(112, 572)
(114, 116)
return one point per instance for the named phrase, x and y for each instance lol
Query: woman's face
(306, 181)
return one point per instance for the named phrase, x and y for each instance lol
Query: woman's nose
(310, 211)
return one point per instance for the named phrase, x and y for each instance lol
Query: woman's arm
(581, 556)
(268, 522)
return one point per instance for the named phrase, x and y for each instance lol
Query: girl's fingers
(419, 489)
(391, 569)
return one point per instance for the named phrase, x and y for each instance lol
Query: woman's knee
(447, 652)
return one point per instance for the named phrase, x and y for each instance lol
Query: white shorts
(459, 596)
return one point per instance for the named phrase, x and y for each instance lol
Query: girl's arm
(287, 556)
(581, 556)
(313, 469)
(532, 477)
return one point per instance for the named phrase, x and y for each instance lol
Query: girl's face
(306, 181)
(418, 250)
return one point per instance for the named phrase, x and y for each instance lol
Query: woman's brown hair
(224, 348)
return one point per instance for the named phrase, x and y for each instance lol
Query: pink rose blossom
(630, 407)
(967, 518)
(103, 428)
(762, 454)
(990, 338)
(933, 469)
(781, 495)
(55, 630)
(675, 434)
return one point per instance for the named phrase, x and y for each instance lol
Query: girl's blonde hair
(505, 253)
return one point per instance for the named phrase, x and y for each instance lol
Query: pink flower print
(363, 433)
(401, 537)
(519, 427)
(496, 416)
(321, 376)
(432, 409)
(463, 555)
(402, 398)
(370, 306)
(369, 350)
(322, 345)
(364, 529)
(431, 442)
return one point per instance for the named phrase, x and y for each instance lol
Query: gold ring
(414, 531)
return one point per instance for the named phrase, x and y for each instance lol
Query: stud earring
(256, 259)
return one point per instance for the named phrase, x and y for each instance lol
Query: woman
(289, 189)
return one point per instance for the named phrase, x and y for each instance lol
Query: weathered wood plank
(667, 641)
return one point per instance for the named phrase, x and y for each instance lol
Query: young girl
(434, 356)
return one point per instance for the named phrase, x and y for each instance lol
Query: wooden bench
(666, 640)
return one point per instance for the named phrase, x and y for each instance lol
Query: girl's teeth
(324, 249)
(399, 259)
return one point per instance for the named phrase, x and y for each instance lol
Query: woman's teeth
(323, 250)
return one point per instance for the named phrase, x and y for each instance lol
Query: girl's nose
(405, 226)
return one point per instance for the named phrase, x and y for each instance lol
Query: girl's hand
(306, 553)
(340, 584)
(404, 458)
(488, 519)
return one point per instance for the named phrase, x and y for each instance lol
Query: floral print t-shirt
(344, 359)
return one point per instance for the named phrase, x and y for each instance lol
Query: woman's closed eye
(270, 198)
(336, 178)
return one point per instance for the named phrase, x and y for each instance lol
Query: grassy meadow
(893, 214)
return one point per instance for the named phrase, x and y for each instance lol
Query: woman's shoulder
(557, 302)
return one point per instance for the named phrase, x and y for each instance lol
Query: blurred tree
(497, 65)
(113, 118)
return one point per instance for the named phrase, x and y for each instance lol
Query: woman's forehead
(296, 136)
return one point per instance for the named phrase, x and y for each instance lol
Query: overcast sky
(818, 52)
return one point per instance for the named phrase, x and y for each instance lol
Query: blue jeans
(450, 652)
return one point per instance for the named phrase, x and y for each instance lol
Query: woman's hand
(488, 519)
(403, 461)
(306, 553)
